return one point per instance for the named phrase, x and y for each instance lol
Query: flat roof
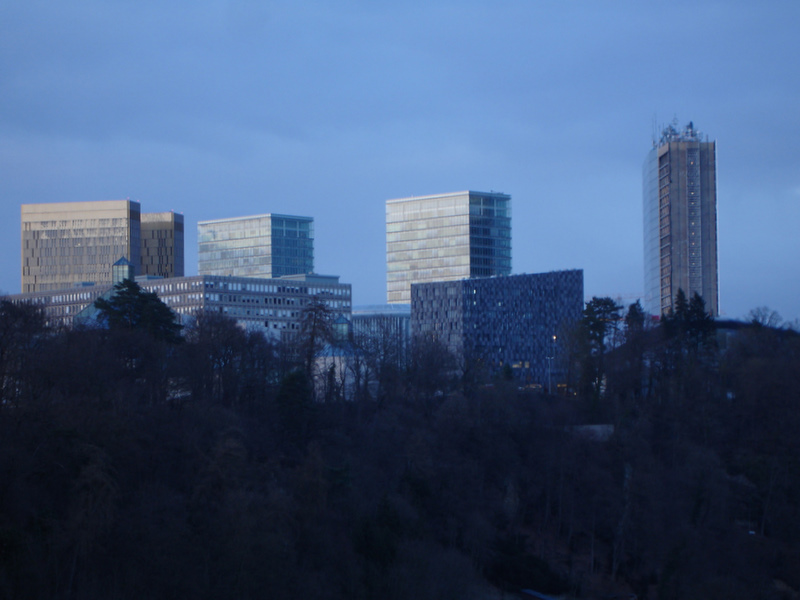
(265, 215)
(449, 195)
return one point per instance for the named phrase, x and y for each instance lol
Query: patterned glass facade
(68, 243)
(445, 237)
(503, 320)
(680, 221)
(268, 245)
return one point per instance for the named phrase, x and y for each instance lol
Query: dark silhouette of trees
(432, 368)
(385, 358)
(597, 332)
(766, 317)
(132, 308)
(213, 355)
(134, 467)
(23, 334)
(316, 330)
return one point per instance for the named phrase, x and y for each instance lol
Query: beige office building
(66, 244)
(69, 243)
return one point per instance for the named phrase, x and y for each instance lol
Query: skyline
(223, 110)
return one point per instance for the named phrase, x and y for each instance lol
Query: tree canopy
(130, 307)
(210, 469)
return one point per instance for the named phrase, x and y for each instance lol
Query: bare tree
(766, 317)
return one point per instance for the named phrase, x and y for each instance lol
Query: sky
(221, 109)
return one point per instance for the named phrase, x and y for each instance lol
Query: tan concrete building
(65, 244)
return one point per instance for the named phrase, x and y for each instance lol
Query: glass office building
(65, 244)
(519, 321)
(269, 245)
(445, 237)
(680, 221)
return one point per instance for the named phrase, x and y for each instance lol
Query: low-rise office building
(273, 306)
(270, 305)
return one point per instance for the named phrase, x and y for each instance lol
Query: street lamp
(550, 360)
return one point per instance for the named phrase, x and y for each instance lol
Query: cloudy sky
(328, 109)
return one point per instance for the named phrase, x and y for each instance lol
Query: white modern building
(445, 237)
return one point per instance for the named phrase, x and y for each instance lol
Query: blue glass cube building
(266, 246)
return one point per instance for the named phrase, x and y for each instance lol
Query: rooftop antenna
(655, 129)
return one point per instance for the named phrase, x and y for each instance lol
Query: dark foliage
(132, 467)
(132, 308)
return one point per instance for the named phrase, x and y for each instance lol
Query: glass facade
(268, 245)
(445, 237)
(69, 243)
(680, 221)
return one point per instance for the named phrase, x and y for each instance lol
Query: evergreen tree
(132, 308)
(598, 329)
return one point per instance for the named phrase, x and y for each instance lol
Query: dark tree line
(135, 462)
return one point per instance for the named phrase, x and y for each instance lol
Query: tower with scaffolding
(680, 220)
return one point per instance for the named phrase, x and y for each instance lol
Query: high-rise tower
(445, 237)
(680, 220)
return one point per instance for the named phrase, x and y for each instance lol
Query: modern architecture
(162, 245)
(273, 306)
(385, 326)
(515, 321)
(267, 245)
(445, 237)
(680, 220)
(71, 243)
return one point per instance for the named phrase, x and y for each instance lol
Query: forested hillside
(136, 462)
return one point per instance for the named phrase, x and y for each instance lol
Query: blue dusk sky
(328, 109)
